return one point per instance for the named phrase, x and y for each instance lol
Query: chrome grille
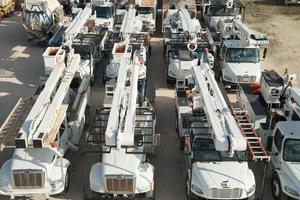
(120, 184)
(245, 79)
(29, 178)
(225, 192)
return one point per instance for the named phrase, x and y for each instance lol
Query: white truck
(146, 11)
(104, 13)
(41, 19)
(213, 141)
(43, 128)
(127, 122)
(132, 33)
(274, 109)
(183, 43)
(239, 55)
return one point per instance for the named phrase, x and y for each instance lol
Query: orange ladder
(254, 145)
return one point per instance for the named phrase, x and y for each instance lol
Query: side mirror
(265, 53)
(269, 143)
(157, 140)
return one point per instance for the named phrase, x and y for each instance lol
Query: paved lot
(24, 66)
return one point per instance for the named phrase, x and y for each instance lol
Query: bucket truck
(273, 107)
(212, 140)
(239, 56)
(41, 19)
(146, 10)
(132, 33)
(217, 12)
(127, 125)
(104, 13)
(183, 43)
(43, 128)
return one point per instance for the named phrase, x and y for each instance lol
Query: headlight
(251, 189)
(172, 73)
(291, 191)
(196, 189)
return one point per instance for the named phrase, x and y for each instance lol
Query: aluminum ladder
(254, 144)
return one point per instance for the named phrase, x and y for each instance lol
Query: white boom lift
(53, 125)
(239, 55)
(131, 25)
(215, 142)
(183, 42)
(129, 131)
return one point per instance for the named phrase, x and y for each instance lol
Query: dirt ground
(282, 25)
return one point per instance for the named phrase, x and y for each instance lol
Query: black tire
(182, 143)
(67, 181)
(87, 117)
(276, 188)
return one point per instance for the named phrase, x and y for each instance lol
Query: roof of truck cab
(272, 78)
(290, 129)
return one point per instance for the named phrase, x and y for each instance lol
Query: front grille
(120, 184)
(29, 178)
(225, 192)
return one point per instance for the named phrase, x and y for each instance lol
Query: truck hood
(222, 174)
(293, 171)
(32, 158)
(119, 162)
(242, 69)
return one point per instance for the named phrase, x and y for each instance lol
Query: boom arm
(225, 131)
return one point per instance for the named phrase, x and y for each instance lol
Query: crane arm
(225, 131)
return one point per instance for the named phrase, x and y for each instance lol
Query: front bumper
(17, 192)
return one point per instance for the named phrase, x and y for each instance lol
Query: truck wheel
(276, 188)
(87, 117)
(67, 181)
(182, 143)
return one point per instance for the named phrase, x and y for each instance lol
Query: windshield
(185, 55)
(222, 11)
(204, 151)
(242, 55)
(291, 150)
(103, 12)
(144, 10)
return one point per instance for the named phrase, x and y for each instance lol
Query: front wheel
(276, 188)
(67, 181)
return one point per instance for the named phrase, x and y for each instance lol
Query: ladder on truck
(254, 144)
(14, 122)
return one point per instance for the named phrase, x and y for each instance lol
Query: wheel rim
(275, 187)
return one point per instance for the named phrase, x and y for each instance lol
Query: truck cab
(104, 13)
(210, 173)
(284, 146)
(239, 64)
(146, 11)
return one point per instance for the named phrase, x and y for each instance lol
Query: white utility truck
(239, 56)
(183, 43)
(104, 12)
(273, 107)
(214, 142)
(131, 32)
(43, 128)
(146, 11)
(127, 126)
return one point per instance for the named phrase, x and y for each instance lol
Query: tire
(67, 181)
(276, 188)
(87, 117)
(182, 143)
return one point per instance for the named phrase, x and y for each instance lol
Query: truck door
(277, 148)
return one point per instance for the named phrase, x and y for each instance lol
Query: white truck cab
(239, 64)
(103, 13)
(212, 171)
(146, 11)
(284, 146)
